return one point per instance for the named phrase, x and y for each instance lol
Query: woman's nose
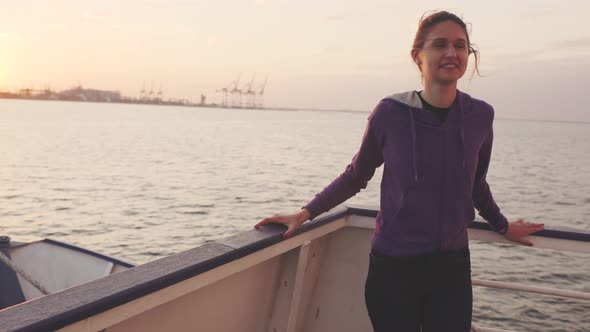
(451, 51)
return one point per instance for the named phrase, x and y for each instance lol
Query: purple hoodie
(434, 174)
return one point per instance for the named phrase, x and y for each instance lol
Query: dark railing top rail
(555, 233)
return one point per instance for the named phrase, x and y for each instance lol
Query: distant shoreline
(290, 109)
(165, 103)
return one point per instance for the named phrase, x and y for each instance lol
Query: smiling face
(443, 58)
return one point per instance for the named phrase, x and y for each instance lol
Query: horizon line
(292, 109)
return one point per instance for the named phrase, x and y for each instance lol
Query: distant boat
(254, 281)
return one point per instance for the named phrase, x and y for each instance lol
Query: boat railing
(174, 275)
(558, 239)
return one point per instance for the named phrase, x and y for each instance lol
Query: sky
(327, 54)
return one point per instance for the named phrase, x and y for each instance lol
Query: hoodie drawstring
(461, 133)
(461, 137)
(413, 129)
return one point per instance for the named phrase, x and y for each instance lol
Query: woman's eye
(460, 46)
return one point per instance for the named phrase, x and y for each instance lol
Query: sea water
(139, 182)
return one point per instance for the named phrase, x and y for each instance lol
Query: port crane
(142, 91)
(254, 96)
(224, 91)
(250, 94)
(261, 88)
(236, 94)
(160, 93)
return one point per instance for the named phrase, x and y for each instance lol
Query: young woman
(436, 146)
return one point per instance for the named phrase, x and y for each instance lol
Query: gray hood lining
(409, 98)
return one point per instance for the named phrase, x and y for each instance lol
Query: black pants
(425, 293)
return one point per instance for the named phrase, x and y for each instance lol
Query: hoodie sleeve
(482, 196)
(356, 175)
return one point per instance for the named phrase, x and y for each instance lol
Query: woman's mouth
(450, 66)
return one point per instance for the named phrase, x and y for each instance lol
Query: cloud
(538, 14)
(56, 27)
(544, 89)
(103, 20)
(580, 43)
(560, 50)
(334, 18)
(566, 49)
(93, 17)
(10, 36)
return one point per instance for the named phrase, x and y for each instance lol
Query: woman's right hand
(292, 221)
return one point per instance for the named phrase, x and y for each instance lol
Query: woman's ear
(416, 57)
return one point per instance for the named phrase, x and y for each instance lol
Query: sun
(5, 77)
(2, 78)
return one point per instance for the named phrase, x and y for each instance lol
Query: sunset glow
(330, 54)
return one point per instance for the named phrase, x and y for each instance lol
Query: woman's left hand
(520, 228)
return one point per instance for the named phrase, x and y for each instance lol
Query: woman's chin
(448, 78)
